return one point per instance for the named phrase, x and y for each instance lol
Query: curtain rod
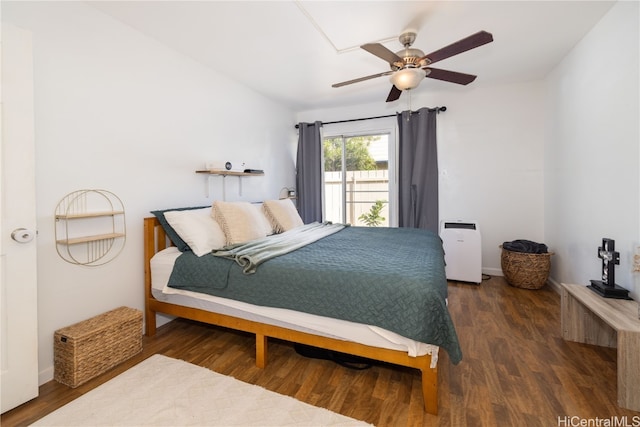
(438, 109)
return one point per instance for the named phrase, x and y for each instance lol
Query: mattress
(162, 265)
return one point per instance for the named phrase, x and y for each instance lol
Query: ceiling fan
(409, 66)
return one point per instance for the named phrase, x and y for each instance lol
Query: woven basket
(524, 270)
(93, 346)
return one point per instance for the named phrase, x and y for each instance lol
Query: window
(356, 179)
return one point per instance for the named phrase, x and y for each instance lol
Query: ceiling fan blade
(475, 40)
(394, 94)
(449, 76)
(361, 79)
(381, 52)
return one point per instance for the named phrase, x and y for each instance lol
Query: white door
(18, 297)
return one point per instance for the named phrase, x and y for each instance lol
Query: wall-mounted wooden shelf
(88, 214)
(224, 174)
(230, 173)
(87, 239)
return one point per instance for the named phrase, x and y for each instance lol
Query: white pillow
(266, 224)
(198, 229)
(240, 221)
(282, 214)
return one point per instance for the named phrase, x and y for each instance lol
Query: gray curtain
(309, 172)
(418, 170)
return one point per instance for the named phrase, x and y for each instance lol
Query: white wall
(592, 151)
(490, 154)
(116, 110)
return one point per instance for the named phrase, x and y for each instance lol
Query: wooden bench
(591, 319)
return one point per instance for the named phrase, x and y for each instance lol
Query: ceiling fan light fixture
(408, 78)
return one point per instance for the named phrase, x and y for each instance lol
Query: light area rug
(161, 391)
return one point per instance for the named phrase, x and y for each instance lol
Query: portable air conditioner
(462, 250)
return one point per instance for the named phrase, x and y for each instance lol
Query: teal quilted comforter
(393, 278)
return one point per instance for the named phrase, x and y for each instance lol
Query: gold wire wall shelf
(90, 227)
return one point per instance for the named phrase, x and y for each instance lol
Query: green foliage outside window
(356, 153)
(373, 217)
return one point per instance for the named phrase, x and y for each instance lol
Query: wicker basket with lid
(87, 349)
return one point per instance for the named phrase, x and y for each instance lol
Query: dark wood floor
(516, 369)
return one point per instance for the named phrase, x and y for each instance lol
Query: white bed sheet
(162, 265)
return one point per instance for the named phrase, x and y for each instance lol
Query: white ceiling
(293, 51)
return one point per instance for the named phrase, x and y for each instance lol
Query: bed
(266, 311)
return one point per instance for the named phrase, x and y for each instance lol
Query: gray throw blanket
(251, 254)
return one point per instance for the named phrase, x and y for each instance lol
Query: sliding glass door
(356, 175)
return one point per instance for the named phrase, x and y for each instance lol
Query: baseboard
(553, 284)
(45, 375)
(492, 271)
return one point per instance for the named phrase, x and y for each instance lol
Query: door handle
(22, 235)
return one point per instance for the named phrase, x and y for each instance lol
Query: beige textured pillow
(282, 214)
(240, 221)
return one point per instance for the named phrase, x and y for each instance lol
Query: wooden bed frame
(155, 239)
